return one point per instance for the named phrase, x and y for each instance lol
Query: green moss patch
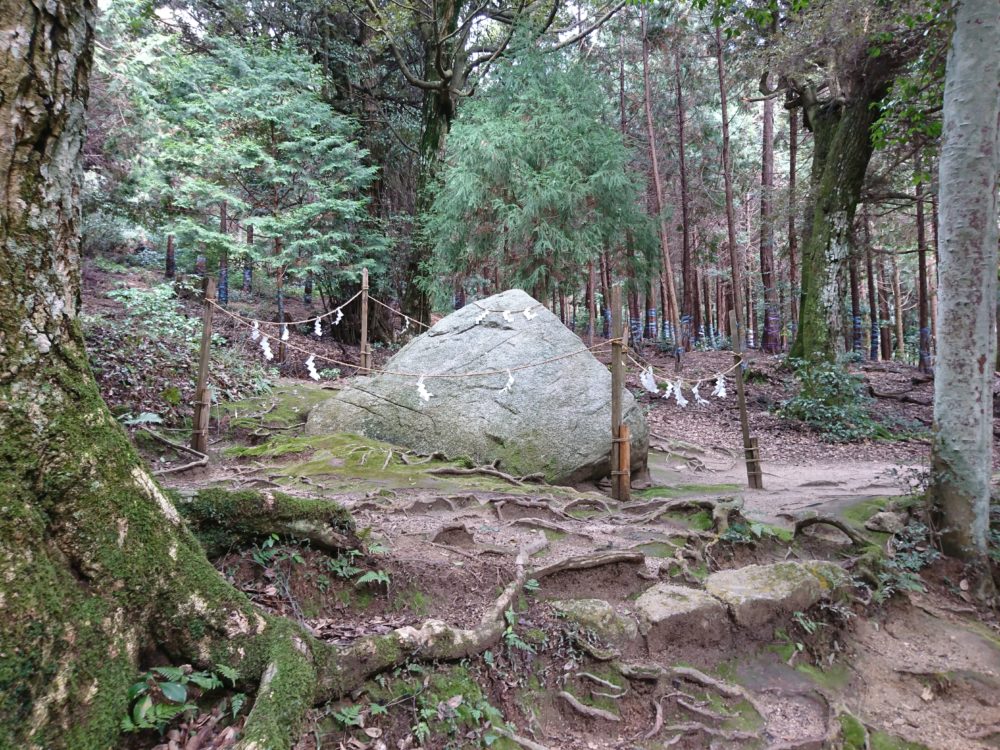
(286, 405)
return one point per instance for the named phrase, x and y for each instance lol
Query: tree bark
(842, 148)
(771, 339)
(688, 271)
(897, 306)
(967, 233)
(793, 241)
(852, 265)
(735, 264)
(668, 270)
(923, 304)
(872, 293)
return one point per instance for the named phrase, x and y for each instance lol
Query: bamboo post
(365, 354)
(749, 450)
(617, 385)
(202, 393)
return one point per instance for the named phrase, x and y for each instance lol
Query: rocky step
(753, 599)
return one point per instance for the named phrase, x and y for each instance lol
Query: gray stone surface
(673, 615)
(886, 521)
(554, 419)
(600, 617)
(757, 595)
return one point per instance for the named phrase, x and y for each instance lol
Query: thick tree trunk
(771, 340)
(841, 152)
(963, 383)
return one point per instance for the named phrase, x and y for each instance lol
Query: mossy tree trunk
(842, 150)
(967, 236)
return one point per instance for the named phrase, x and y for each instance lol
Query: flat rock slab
(757, 595)
(553, 418)
(671, 615)
(600, 617)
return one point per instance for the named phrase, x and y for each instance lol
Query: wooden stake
(365, 354)
(202, 393)
(624, 463)
(617, 385)
(753, 475)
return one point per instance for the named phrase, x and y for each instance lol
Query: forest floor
(897, 657)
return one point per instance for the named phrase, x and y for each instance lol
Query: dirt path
(924, 671)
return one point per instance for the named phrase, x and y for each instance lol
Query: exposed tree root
(583, 709)
(519, 740)
(200, 458)
(593, 560)
(858, 539)
(488, 470)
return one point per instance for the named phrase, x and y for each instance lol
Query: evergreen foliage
(535, 181)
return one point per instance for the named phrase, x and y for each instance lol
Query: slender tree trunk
(688, 273)
(924, 338)
(771, 339)
(885, 329)
(223, 290)
(735, 264)
(897, 307)
(932, 275)
(668, 269)
(872, 294)
(962, 448)
(856, 335)
(793, 262)
(248, 263)
(171, 269)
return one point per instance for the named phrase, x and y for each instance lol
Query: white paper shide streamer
(317, 328)
(422, 390)
(697, 396)
(340, 317)
(510, 382)
(265, 346)
(719, 391)
(679, 395)
(481, 317)
(506, 316)
(255, 331)
(311, 366)
(528, 314)
(669, 391)
(284, 333)
(648, 381)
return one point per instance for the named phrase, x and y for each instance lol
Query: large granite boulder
(554, 419)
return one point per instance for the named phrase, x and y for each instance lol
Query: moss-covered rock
(757, 595)
(598, 616)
